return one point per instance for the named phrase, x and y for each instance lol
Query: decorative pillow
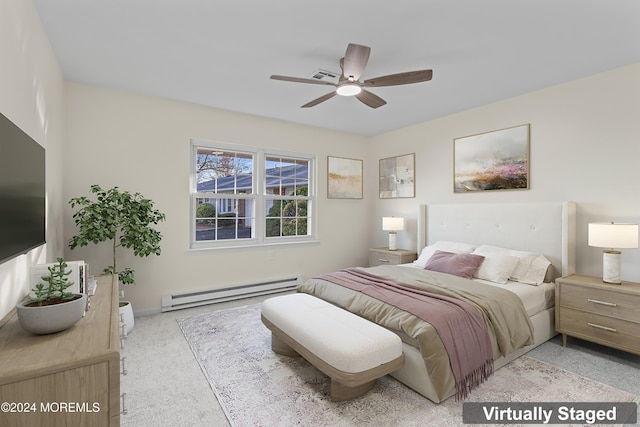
(497, 266)
(531, 268)
(455, 247)
(463, 265)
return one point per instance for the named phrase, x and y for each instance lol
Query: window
(245, 196)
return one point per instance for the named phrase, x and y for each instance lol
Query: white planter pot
(126, 316)
(48, 319)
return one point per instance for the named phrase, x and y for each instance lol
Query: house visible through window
(245, 196)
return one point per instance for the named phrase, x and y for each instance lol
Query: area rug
(257, 387)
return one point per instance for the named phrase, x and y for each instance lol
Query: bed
(547, 229)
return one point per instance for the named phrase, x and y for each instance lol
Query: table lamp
(612, 235)
(392, 225)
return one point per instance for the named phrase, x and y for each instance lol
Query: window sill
(250, 246)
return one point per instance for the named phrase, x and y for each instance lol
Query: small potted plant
(53, 308)
(123, 218)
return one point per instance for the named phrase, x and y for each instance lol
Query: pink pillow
(463, 265)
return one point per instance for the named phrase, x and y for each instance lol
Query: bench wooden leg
(281, 347)
(340, 392)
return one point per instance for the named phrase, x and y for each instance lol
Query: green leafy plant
(121, 217)
(57, 281)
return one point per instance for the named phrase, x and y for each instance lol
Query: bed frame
(546, 228)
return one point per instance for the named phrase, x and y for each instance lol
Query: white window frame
(258, 198)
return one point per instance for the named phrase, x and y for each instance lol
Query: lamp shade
(613, 235)
(392, 223)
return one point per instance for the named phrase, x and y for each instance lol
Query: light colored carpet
(256, 387)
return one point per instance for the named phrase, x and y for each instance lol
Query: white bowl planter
(47, 319)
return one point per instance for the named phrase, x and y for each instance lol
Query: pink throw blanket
(459, 324)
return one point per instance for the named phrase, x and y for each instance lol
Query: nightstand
(384, 256)
(592, 310)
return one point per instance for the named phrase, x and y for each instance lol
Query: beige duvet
(506, 319)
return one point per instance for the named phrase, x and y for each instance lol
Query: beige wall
(585, 147)
(141, 144)
(31, 95)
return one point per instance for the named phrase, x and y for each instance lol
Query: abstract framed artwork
(397, 177)
(344, 178)
(490, 161)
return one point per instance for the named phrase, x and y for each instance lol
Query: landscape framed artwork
(397, 177)
(344, 178)
(497, 160)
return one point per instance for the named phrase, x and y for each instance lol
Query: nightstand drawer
(377, 258)
(602, 329)
(601, 301)
(384, 256)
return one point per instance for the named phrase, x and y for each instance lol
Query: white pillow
(496, 267)
(441, 245)
(531, 268)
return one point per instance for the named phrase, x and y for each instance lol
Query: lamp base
(611, 267)
(393, 246)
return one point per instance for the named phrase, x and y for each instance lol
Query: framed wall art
(344, 178)
(497, 160)
(397, 177)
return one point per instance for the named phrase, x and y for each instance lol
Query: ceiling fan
(349, 84)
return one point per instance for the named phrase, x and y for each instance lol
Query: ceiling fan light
(348, 89)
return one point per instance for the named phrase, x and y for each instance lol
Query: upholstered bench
(352, 351)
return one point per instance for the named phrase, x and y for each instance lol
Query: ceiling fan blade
(370, 99)
(319, 100)
(400, 78)
(301, 80)
(355, 59)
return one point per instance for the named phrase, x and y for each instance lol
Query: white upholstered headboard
(546, 228)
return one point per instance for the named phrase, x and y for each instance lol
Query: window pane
(274, 208)
(301, 213)
(303, 227)
(220, 171)
(301, 208)
(289, 227)
(273, 227)
(286, 177)
(302, 169)
(289, 208)
(223, 219)
(287, 218)
(302, 187)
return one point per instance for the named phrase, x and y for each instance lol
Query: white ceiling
(220, 53)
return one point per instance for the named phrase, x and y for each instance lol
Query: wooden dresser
(71, 378)
(606, 314)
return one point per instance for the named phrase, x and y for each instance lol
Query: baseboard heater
(193, 299)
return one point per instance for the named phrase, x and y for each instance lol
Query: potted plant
(52, 309)
(123, 218)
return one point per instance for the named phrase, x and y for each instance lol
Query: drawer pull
(595, 301)
(124, 406)
(383, 260)
(606, 328)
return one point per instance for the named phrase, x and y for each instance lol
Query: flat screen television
(22, 191)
